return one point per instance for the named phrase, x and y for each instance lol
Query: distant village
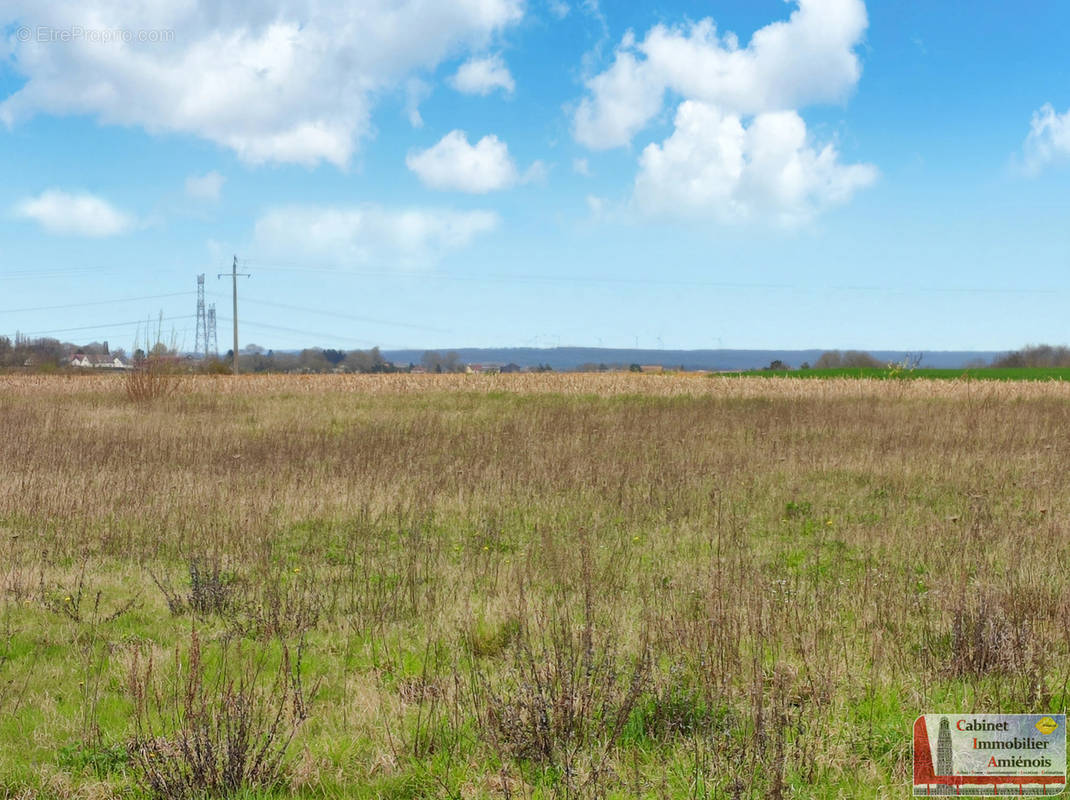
(46, 355)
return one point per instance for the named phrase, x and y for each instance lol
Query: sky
(448, 173)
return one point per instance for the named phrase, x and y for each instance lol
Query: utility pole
(234, 274)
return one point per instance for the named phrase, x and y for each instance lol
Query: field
(520, 586)
(899, 373)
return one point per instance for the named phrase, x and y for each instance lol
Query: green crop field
(894, 373)
(530, 586)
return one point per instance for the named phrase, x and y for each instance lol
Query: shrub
(563, 701)
(211, 589)
(214, 731)
(152, 378)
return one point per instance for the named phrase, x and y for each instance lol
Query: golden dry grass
(768, 579)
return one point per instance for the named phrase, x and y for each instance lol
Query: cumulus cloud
(74, 214)
(714, 165)
(455, 164)
(280, 81)
(370, 234)
(483, 76)
(208, 187)
(1048, 139)
(807, 59)
(739, 149)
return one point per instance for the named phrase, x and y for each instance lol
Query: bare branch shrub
(216, 725)
(563, 700)
(211, 589)
(152, 378)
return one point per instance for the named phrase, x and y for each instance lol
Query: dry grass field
(520, 586)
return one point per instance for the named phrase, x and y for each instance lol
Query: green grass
(892, 373)
(578, 589)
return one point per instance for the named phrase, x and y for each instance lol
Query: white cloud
(715, 166)
(74, 214)
(807, 59)
(453, 163)
(416, 91)
(1048, 139)
(280, 81)
(559, 8)
(205, 187)
(581, 167)
(369, 234)
(483, 76)
(536, 173)
(739, 150)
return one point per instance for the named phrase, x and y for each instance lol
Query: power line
(107, 325)
(609, 279)
(94, 303)
(285, 329)
(340, 315)
(33, 274)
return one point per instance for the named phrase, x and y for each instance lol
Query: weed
(211, 589)
(214, 729)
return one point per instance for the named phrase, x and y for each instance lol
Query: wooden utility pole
(234, 274)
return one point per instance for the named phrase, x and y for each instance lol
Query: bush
(152, 378)
(563, 702)
(214, 731)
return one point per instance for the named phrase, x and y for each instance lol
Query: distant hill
(567, 358)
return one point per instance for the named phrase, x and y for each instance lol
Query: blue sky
(752, 174)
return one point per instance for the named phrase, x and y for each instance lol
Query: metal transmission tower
(212, 341)
(200, 348)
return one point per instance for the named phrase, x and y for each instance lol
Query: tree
(367, 361)
(854, 359)
(334, 357)
(433, 361)
(1040, 355)
(312, 360)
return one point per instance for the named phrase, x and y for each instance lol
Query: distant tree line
(26, 352)
(254, 358)
(46, 353)
(851, 359)
(1039, 355)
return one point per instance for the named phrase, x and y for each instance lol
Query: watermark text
(46, 34)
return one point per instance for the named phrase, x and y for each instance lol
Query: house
(85, 361)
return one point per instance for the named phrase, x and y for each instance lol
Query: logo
(1046, 725)
(989, 755)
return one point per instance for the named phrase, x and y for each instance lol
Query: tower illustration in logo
(943, 749)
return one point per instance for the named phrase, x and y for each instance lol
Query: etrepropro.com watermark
(46, 34)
